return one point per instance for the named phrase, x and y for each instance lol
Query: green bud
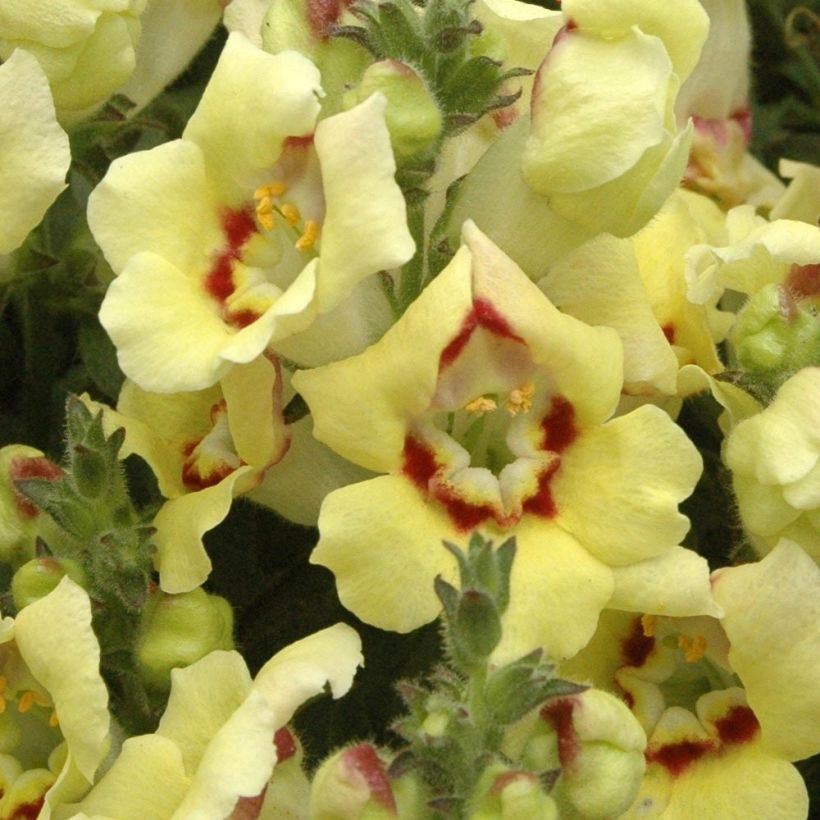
(90, 472)
(38, 577)
(350, 785)
(600, 747)
(477, 628)
(776, 335)
(413, 117)
(503, 793)
(177, 630)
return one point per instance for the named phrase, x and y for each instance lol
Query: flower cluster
(484, 308)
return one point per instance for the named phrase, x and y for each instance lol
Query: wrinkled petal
(34, 152)
(557, 591)
(597, 106)
(380, 539)
(55, 638)
(772, 609)
(358, 174)
(281, 91)
(615, 492)
(681, 27)
(203, 696)
(146, 782)
(675, 583)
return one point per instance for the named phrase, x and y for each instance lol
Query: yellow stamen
(52, 720)
(29, 699)
(693, 648)
(264, 213)
(291, 214)
(309, 236)
(520, 399)
(271, 190)
(480, 406)
(649, 624)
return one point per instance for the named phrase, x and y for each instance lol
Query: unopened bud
(412, 116)
(38, 577)
(600, 748)
(177, 630)
(349, 783)
(776, 335)
(506, 794)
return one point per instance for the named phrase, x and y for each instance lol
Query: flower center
(213, 457)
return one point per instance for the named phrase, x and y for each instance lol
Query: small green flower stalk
(483, 740)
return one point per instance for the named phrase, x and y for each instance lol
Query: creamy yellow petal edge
(252, 103)
(55, 639)
(390, 396)
(772, 611)
(674, 583)
(597, 106)
(240, 757)
(557, 591)
(146, 782)
(382, 541)
(34, 152)
(365, 226)
(619, 486)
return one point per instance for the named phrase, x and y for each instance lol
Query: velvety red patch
(676, 758)
(285, 744)
(669, 331)
(558, 426)
(464, 514)
(542, 503)
(194, 480)
(298, 142)
(30, 811)
(23, 467)
(638, 646)
(242, 318)
(739, 726)
(420, 463)
(238, 227)
(322, 14)
(804, 281)
(248, 808)
(484, 315)
(363, 759)
(558, 713)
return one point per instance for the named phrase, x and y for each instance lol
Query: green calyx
(438, 42)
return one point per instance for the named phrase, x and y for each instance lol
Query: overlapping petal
(34, 152)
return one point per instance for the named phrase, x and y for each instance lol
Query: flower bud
(87, 50)
(506, 794)
(776, 335)
(412, 116)
(599, 746)
(349, 783)
(36, 578)
(176, 630)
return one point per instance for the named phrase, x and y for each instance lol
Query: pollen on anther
(520, 399)
(310, 235)
(26, 701)
(264, 213)
(271, 190)
(693, 648)
(52, 720)
(480, 406)
(649, 623)
(291, 214)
